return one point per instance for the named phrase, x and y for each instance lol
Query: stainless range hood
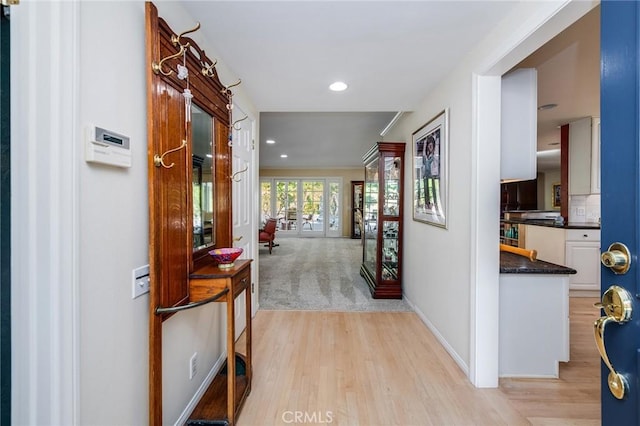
(531, 214)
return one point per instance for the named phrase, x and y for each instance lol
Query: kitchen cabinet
(580, 157)
(519, 125)
(548, 241)
(582, 253)
(528, 194)
(512, 234)
(508, 196)
(382, 218)
(521, 195)
(534, 331)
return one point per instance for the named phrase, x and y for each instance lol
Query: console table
(223, 399)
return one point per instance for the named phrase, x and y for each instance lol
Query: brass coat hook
(157, 67)
(175, 39)
(234, 177)
(158, 160)
(209, 70)
(226, 90)
(237, 121)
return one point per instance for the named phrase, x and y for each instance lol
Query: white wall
(82, 354)
(448, 273)
(113, 219)
(436, 261)
(550, 178)
(114, 344)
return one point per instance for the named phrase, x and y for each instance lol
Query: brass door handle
(617, 258)
(616, 303)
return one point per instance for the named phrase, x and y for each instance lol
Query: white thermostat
(107, 147)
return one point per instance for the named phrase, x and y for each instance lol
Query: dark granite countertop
(551, 224)
(511, 263)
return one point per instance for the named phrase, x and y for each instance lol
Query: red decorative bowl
(224, 257)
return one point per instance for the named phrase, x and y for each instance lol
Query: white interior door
(244, 219)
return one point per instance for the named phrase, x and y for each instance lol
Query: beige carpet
(319, 274)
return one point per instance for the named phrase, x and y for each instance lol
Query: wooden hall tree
(182, 81)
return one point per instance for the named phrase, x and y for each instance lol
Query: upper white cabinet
(519, 130)
(580, 157)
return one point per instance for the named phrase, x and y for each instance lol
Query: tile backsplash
(584, 208)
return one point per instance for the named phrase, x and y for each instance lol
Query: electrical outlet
(580, 211)
(140, 285)
(193, 365)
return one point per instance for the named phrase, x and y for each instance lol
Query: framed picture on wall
(555, 202)
(431, 171)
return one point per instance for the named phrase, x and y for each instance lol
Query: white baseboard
(447, 347)
(201, 390)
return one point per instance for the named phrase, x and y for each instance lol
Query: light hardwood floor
(357, 368)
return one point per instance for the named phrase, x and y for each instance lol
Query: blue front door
(5, 223)
(620, 171)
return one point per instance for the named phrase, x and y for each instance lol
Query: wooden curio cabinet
(382, 219)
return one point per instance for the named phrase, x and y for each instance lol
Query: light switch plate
(140, 284)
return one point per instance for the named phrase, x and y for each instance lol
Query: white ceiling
(336, 137)
(391, 53)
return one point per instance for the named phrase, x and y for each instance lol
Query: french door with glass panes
(303, 207)
(286, 205)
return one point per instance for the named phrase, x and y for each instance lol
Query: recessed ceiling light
(338, 86)
(270, 141)
(283, 155)
(547, 106)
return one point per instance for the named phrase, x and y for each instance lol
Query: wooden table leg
(248, 332)
(231, 359)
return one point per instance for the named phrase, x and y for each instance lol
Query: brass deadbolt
(617, 258)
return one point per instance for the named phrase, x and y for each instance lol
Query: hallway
(317, 274)
(386, 368)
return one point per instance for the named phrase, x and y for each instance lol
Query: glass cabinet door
(392, 185)
(370, 215)
(390, 250)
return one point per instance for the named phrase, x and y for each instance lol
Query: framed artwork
(431, 171)
(556, 195)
